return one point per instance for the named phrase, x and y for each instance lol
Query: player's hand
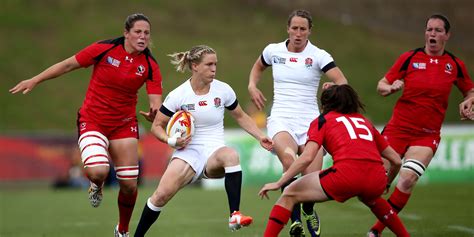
(150, 115)
(257, 97)
(266, 143)
(466, 109)
(182, 142)
(24, 86)
(268, 187)
(397, 85)
(328, 84)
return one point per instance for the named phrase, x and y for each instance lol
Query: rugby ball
(181, 122)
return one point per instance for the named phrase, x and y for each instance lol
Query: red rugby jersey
(347, 137)
(428, 82)
(116, 78)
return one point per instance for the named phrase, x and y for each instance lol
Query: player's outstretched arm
(249, 125)
(155, 104)
(309, 153)
(54, 71)
(255, 94)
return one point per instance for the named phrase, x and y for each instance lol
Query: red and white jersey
(347, 137)
(117, 76)
(428, 82)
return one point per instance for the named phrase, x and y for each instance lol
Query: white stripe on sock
(232, 169)
(151, 206)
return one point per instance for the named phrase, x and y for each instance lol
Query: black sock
(308, 207)
(233, 184)
(296, 213)
(146, 220)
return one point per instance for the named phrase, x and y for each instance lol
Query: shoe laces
(312, 219)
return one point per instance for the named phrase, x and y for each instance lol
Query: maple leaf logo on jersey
(449, 68)
(140, 70)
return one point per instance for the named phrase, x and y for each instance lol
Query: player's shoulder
(276, 46)
(183, 89)
(219, 85)
(453, 57)
(418, 52)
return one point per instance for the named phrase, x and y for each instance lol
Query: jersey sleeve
(230, 96)
(87, 56)
(155, 86)
(379, 140)
(464, 83)
(267, 55)
(323, 59)
(396, 71)
(316, 132)
(172, 102)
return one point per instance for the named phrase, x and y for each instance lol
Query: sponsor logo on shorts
(83, 126)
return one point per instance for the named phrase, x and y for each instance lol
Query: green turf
(434, 210)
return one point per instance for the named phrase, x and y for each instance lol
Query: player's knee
(93, 146)
(287, 198)
(127, 177)
(233, 155)
(97, 174)
(128, 187)
(414, 166)
(230, 157)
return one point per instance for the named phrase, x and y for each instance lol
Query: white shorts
(297, 127)
(196, 156)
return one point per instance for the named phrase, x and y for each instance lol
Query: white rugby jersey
(207, 110)
(296, 78)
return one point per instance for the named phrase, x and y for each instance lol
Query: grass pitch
(434, 210)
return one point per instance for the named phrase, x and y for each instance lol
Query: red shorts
(364, 179)
(400, 141)
(125, 130)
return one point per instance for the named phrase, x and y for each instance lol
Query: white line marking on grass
(462, 228)
(409, 216)
(81, 224)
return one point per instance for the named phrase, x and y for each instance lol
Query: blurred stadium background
(37, 131)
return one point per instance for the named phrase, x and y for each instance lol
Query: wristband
(172, 141)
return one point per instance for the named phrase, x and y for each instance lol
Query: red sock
(278, 218)
(126, 203)
(397, 200)
(389, 217)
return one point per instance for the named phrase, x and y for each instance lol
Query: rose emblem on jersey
(308, 62)
(217, 102)
(140, 70)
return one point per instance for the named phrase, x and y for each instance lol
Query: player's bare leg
(225, 163)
